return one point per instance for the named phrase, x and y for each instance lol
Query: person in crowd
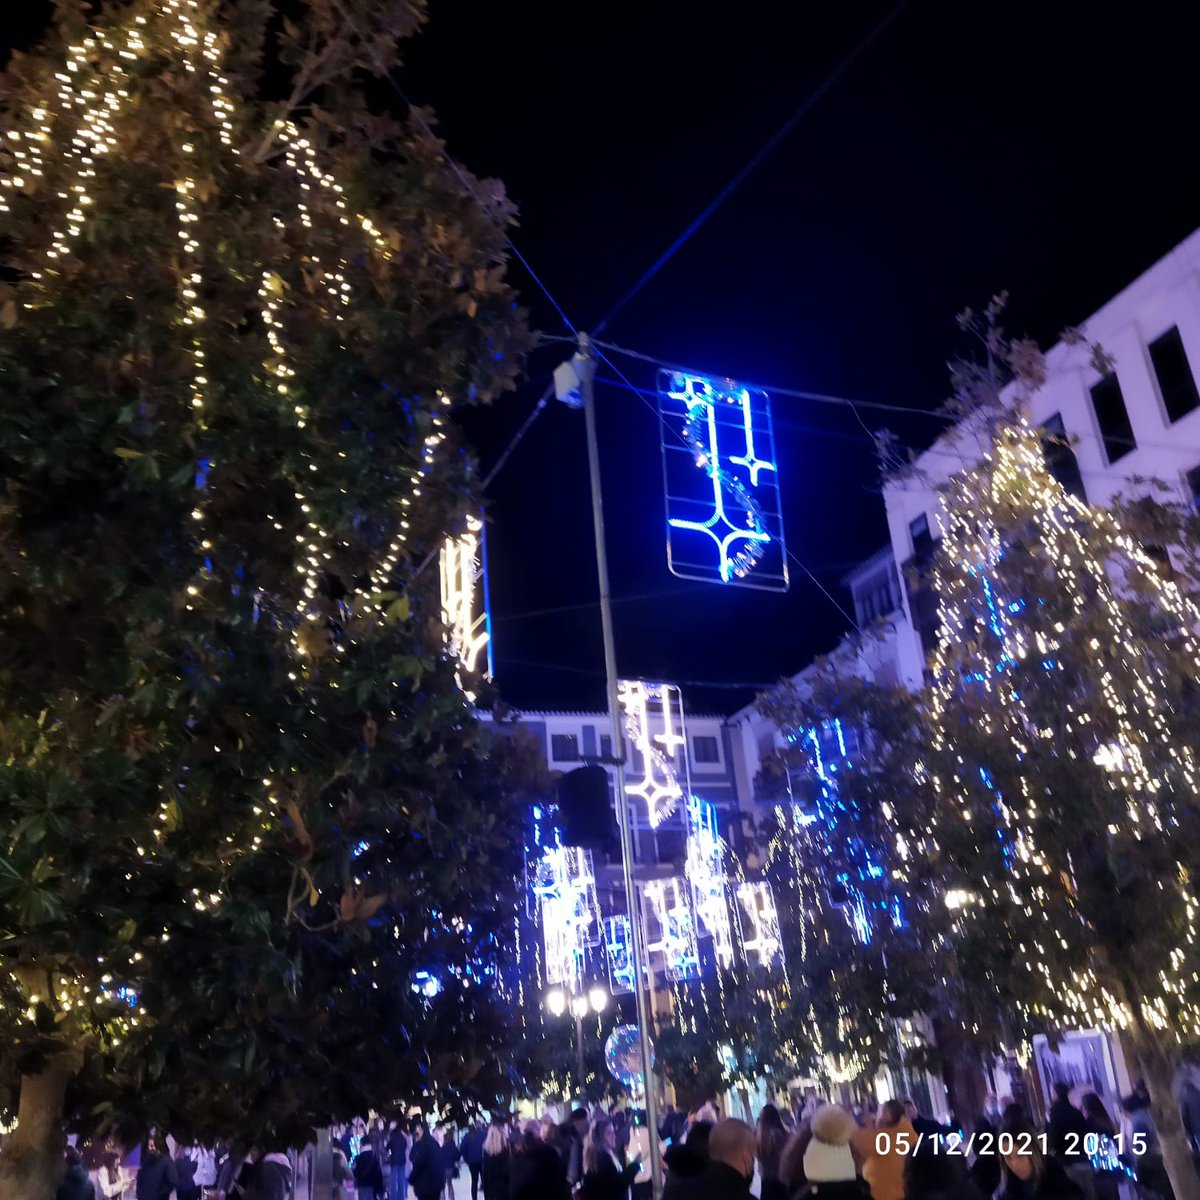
(772, 1137)
(112, 1179)
(206, 1168)
(538, 1171)
(571, 1138)
(984, 1171)
(604, 1178)
(791, 1162)
(397, 1156)
(1138, 1120)
(883, 1148)
(1065, 1126)
(185, 1172)
(450, 1159)
(1096, 1117)
(1029, 1174)
(427, 1176)
(930, 1174)
(235, 1178)
(687, 1159)
(342, 1175)
(367, 1171)
(471, 1150)
(633, 1143)
(1189, 1110)
(830, 1171)
(75, 1183)
(273, 1180)
(156, 1177)
(1102, 1130)
(494, 1169)
(927, 1127)
(730, 1170)
(993, 1112)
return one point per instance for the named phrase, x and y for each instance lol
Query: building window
(922, 537)
(705, 750)
(1060, 457)
(1176, 383)
(1113, 418)
(606, 745)
(564, 747)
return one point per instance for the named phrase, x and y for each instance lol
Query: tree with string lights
(1061, 726)
(256, 851)
(855, 944)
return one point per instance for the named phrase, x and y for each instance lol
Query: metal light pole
(586, 367)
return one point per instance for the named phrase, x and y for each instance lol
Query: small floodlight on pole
(573, 385)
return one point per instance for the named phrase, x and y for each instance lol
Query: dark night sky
(1046, 148)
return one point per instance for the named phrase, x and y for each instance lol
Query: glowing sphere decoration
(623, 1057)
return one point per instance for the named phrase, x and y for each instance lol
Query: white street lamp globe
(556, 1002)
(579, 1006)
(599, 998)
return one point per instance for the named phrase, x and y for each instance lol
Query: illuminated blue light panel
(724, 521)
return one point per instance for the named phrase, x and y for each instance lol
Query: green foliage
(204, 718)
(823, 850)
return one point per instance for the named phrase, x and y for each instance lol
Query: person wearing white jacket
(112, 1177)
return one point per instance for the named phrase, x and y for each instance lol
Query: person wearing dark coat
(730, 1170)
(497, 1161)
(932, 1175)
(273, 1178)
(538, 1171)
(75, 1184)
(472, 1154)
(368, 1172)
(428, 1175)
(1028, 1174)
(397, 1154)
(185, 1174)
(156, 1176)
(1066, 1127)
(985, 1172)
(603, 1177)
(687, 1159)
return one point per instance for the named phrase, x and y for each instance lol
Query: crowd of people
(818, 1151)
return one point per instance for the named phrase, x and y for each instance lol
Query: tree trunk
(962, 1070)
(1157, 1058)
(32, 1163)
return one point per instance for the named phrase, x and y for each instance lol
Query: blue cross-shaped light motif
(724, 429)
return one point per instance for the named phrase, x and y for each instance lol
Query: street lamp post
(594, 1000)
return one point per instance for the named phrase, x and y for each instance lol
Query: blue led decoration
(724, 521)
(618, 944)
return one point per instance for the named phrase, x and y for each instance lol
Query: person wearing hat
(829, 1162)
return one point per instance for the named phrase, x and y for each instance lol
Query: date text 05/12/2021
(1075, 1145)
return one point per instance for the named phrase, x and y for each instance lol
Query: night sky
(1046, 148)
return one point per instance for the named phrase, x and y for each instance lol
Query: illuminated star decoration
(618, 944)
(669, 915)
(468, 627)
(705, 872)
(564, 883)
(726, 433)
(659, 786)
(759, 922)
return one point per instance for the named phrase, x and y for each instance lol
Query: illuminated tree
(1062, 730)
(245, 802)
(856, 941)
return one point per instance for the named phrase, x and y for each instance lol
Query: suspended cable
(732, 186)
(538, 409)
